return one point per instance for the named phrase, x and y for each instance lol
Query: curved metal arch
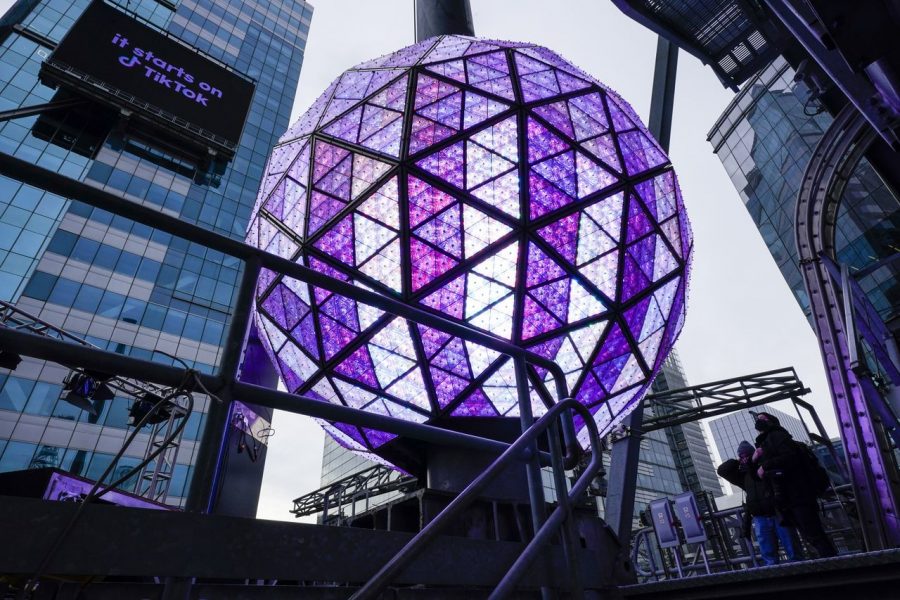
(832, 164)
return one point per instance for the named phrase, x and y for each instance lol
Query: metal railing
(729, 550)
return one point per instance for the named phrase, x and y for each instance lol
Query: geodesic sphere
(492, 183)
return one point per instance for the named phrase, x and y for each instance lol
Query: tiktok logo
(129, 61)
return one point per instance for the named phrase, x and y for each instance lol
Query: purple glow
(493, 183)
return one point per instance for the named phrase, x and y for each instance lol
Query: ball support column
(625, 455)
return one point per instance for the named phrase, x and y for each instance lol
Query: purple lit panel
(495, 184)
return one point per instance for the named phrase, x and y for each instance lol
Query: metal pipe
(62, 352)
(532, 467)
(397, 563)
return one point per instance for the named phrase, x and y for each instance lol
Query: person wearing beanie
(759, 507)
(778, 461)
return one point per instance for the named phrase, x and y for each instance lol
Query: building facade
(765, 139)
(732, 429)
(687, 441)
(117, 284)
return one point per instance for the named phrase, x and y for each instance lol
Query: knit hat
(745, 448)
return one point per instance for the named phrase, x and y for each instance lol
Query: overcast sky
(741, 319)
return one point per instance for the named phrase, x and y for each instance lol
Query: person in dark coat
(759, 503)
(779, 462)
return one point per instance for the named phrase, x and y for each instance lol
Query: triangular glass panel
(444, 231)
(427, 263)
(393, 96)
(385, 266)
(608, 214)
(639, 223)
(501, 193)
(557, 114)
(542, 143)
(537, 319)
(602, 273)
(475, 405)
(358, 367)
(500, 266)
(370, 237)
(562, 235)
(591, 176)
(347, 127)
(560, 171)
(554, 296)
(482, 164)
(425, 201)
(383, 204)
(453, 69)
(583, 304)
(338, 241)
(429, 90)
(480, 230)
(432, 340)
(640, 152)
(592, 240)
(426, 133)
(447, 47)
(541, 268)
(449, 299)
(480, 358)
(366, 171)
(490, 73)
(480, 108)
(604, 148)
(446, 111)
(323, 208)
(448, 164)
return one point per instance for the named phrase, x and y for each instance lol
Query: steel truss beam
(674, 407)
(360, 486)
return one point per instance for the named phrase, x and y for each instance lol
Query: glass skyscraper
(765, 139)
(120, 285)
(732, 429)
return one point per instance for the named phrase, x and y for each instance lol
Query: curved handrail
(516, 451)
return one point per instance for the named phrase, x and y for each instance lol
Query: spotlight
(142, 405)
(9, 360)
(84, 389)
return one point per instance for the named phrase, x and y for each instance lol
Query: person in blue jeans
(759, 503)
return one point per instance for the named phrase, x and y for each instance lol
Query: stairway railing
(521, 451)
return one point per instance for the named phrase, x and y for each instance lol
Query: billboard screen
(110, 46)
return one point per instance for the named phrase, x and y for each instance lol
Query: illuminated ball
(491, 183)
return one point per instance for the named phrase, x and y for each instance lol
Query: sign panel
(664, 523)
(689, 514)
(109, 45)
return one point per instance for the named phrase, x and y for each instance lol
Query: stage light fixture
(9, 360)
(142, 405)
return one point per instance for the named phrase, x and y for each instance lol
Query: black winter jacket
(784, 466)
(760, 501)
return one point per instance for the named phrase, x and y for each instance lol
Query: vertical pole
(443, 17)
(662, 98)
(623, 478)
(626, 451)
(533, 466)
(202, 494)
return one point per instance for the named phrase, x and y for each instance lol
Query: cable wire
(96, 491)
